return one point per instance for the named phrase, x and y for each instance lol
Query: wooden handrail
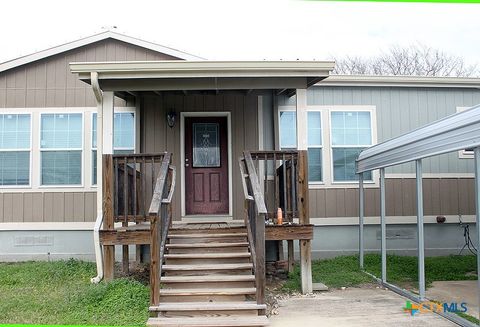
(160, 221)
(255, 212)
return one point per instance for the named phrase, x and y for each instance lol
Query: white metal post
(383, 225)
(477, 212)
(301, 114)
(420, 233)
(360, 218)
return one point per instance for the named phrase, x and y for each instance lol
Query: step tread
(212, 266)
(208, 291)
(215, 255)
(206, 245)
(205, 306)
(207, 278)
(209, 321)
(203, 235)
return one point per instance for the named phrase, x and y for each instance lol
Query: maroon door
(206, 165)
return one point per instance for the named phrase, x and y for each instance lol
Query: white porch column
(107, 135)
(301, 107)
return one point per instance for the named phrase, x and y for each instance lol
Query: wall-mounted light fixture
(171, 118)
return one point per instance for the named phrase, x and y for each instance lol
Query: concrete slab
(456, 291)
(351, 307)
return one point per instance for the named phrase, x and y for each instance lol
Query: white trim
(182, 156)
(430, 175)
(30, 150)
(81, 149)
(400, 81)
(464, 154)
(46, 226)
(327, 163)
(394, 220)
(135, 148)
(92, 39)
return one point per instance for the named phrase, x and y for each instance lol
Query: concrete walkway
(456, 291)
(351, 307)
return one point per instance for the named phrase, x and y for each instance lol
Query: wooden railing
(279, 175)
(255, 214)
(272, 180)
(160, 223)
(133, 185)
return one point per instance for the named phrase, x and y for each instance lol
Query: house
(219, 143)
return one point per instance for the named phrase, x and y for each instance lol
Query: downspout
(98, 223)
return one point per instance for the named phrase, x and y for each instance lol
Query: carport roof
(203, 75)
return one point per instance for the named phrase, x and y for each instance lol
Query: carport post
(421, 243)
(360, 217)
(476, 152)
(383, 225)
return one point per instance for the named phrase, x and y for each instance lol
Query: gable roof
(92, 39)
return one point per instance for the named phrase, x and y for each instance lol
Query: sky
(246, 30)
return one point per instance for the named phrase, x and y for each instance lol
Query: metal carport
(453, 133)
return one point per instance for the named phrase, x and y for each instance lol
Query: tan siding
(447, 196)
(48, 206)
(156, 136)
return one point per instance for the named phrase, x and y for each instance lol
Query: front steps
(208, 280)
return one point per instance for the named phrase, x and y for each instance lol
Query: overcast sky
(246, 30)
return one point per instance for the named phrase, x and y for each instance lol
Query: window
(314, 139)
(288, 140)
(14, 149)
(123, 137)
(61, 149)
(351, 132)
(288, 128)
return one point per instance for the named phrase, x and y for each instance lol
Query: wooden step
(207, 245)
(203, 235)
(204, 267)
(208, 306)
(208, 321)
(224, 230)
(207, 291)
(207, 279)
(215, 255)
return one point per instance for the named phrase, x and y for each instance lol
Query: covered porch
(149, 197)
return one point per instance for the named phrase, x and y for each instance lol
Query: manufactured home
(118, 149)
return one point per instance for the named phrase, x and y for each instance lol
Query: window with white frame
(123, 137)
(15, 148)
(288, 140)
(351, 132)
(61, 145)
(314, 139)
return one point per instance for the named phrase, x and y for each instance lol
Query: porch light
(171, 117)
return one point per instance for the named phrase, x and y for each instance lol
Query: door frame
(227, 114)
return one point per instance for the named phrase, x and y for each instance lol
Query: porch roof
(203, 75)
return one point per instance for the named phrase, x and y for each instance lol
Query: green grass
(344, 270)
(468, 317)
(61, 293)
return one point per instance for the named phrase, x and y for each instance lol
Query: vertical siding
(48, 206)
(445, 196)
(49, 83)
(400, 110)
(157, 136)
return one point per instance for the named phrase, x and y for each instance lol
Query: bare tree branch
(417, 59)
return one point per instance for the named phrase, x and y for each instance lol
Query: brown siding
(157, 136)
(49, 83)
(445, 196)
(48, 207)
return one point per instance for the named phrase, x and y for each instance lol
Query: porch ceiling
(175, 75)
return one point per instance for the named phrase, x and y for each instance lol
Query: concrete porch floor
(351, 307)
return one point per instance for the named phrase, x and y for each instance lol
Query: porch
(205, 222)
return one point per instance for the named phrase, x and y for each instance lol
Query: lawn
(402, 270)
(61, 293)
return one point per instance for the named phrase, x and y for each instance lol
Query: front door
(206, 166)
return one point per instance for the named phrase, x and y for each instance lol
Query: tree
(418, 59)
